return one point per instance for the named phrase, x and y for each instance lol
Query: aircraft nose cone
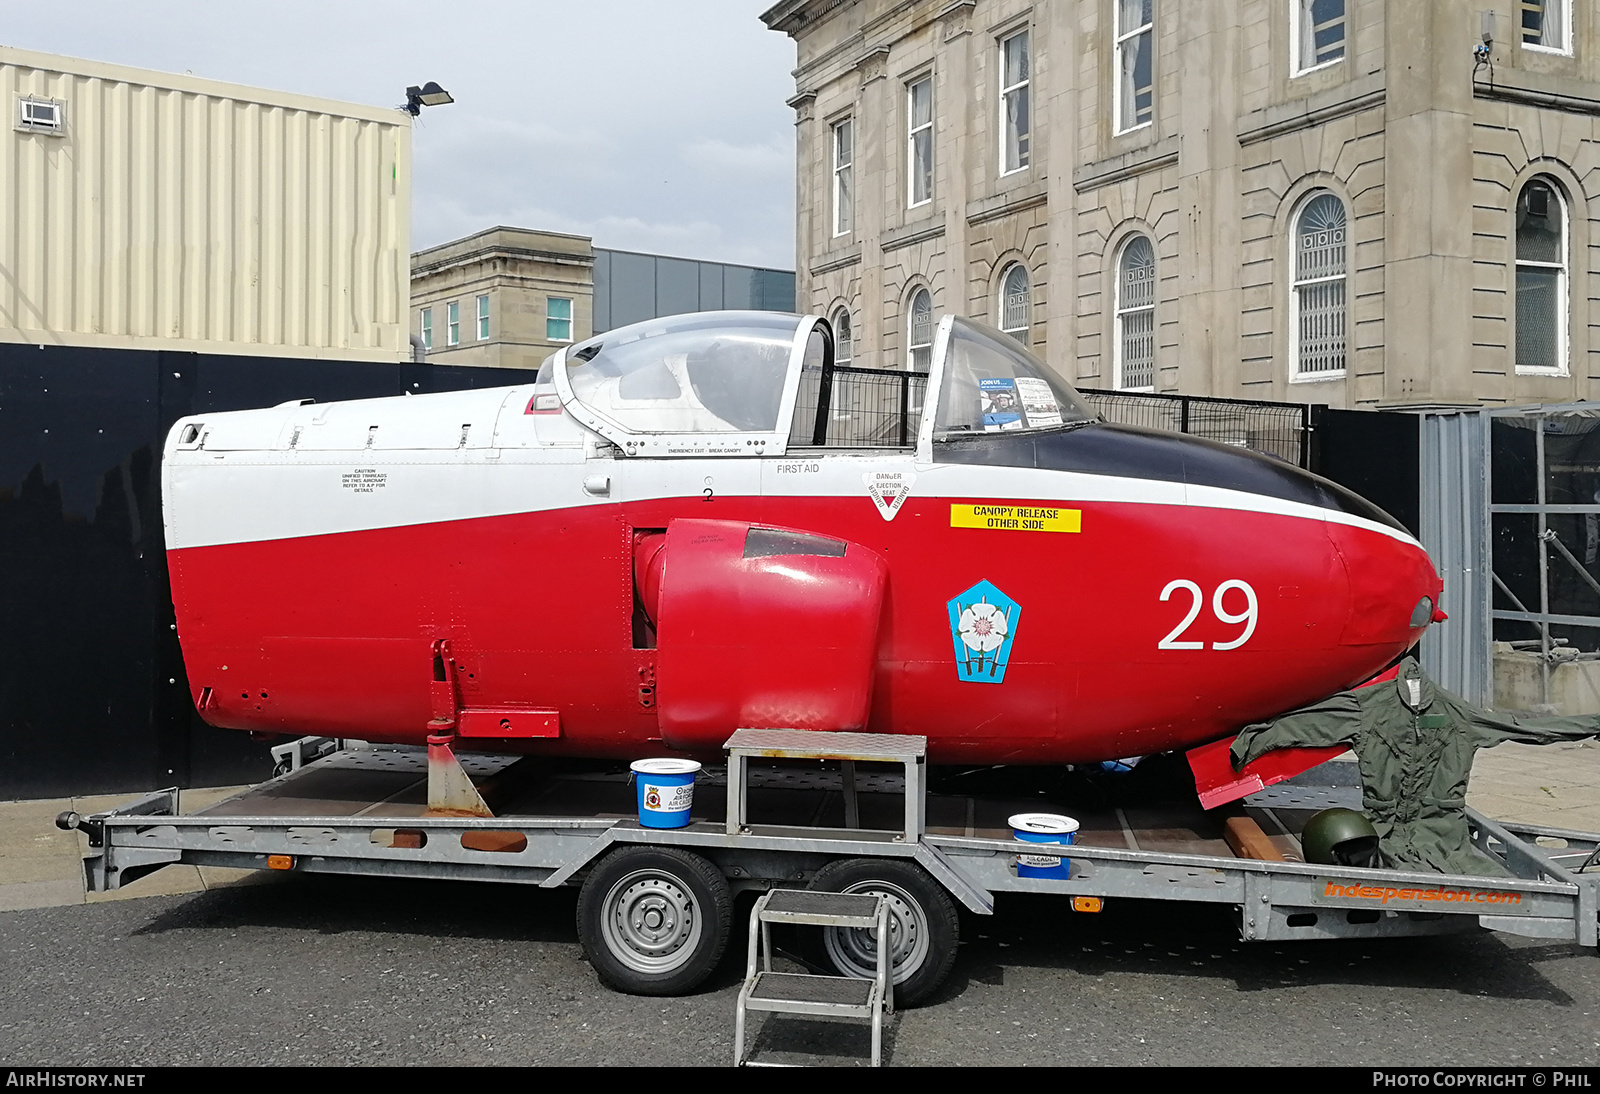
(1394, 589)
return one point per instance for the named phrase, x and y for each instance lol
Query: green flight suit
(1415, 759)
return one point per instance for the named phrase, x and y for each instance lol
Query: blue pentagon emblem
(983, 624)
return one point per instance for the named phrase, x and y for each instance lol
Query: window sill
(1560, 372)
(1116, 133)
(1319, 378)
(1549, 51)
(1323, 67)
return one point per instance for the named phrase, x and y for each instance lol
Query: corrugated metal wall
(1454, 530)
(177, 213)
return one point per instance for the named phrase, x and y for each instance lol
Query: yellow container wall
(177, 213)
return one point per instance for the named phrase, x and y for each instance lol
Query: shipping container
(142, 210)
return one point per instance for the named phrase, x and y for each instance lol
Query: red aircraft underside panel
(333, 633)
(1218, 783)
(750, 638)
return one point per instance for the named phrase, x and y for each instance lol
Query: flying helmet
(1340, 837)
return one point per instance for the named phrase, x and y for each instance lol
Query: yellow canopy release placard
(1016, 518)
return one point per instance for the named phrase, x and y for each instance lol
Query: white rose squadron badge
(889, 490)
(983, 624)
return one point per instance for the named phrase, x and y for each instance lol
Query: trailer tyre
(923, 927)
(654, 920)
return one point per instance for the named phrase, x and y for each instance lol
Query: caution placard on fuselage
(1016, 518)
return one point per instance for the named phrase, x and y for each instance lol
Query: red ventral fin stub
(1218, 783)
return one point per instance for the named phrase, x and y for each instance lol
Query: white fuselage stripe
(244, 497)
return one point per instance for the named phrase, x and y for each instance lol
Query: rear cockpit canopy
(704, 373)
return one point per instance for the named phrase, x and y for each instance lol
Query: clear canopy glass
(710, 372)
(992, 385)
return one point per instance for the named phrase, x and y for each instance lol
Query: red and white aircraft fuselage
(699, 524)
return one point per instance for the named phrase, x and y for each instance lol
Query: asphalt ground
(308, 969)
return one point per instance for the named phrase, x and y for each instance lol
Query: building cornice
(483, 254)
(837, 261)
(986, 209)
(1092, 176)
(911, 233)
(1542, 90)
(791, 16)
(1275, 121)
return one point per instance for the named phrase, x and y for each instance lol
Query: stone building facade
(503, 298)
(510, 297)
(1390, 203)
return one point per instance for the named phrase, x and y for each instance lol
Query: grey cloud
(650, 126)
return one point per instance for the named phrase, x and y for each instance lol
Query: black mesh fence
(861, 408)
(1278, 429)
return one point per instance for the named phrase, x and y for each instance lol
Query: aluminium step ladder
(802, 993)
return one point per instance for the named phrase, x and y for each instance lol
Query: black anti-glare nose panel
(1135, 452)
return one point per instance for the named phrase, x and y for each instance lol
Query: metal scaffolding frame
(1547, 538)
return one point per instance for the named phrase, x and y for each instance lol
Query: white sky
(647, 124)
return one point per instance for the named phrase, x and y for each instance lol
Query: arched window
(919, 324)
(1541, 277)
(1136, 316)
(842, 350)
(1318, 293)
(1016, 303)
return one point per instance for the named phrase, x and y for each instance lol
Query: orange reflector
(1086, 904)
(286, 862)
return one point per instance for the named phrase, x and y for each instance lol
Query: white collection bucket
(1044, 828)
(666, 791)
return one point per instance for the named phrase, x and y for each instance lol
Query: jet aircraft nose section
(1394, 589)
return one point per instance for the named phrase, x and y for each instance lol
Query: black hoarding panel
(93, 696)
(1378, 454)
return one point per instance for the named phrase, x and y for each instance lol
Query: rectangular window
(844, 204)
(483, 318)
(1541, 303)
(41, 116)
(1546, 24)
(1135, 83)
(452, 323)
(919, 141)
(1014, 119)
(557, 319)
(1316, 32)
(427, 328)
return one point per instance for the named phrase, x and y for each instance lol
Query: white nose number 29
(1248, 617)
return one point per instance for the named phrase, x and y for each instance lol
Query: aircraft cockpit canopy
(760, 383)
(992, 385)
(716, 372)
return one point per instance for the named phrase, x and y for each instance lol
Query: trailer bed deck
(364, 811)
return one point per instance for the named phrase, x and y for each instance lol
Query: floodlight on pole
(429, 94)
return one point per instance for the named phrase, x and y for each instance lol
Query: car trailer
(655, 905)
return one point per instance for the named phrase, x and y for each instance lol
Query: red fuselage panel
(1151, 627)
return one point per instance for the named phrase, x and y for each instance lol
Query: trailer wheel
(654, 920)
(923, 928)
